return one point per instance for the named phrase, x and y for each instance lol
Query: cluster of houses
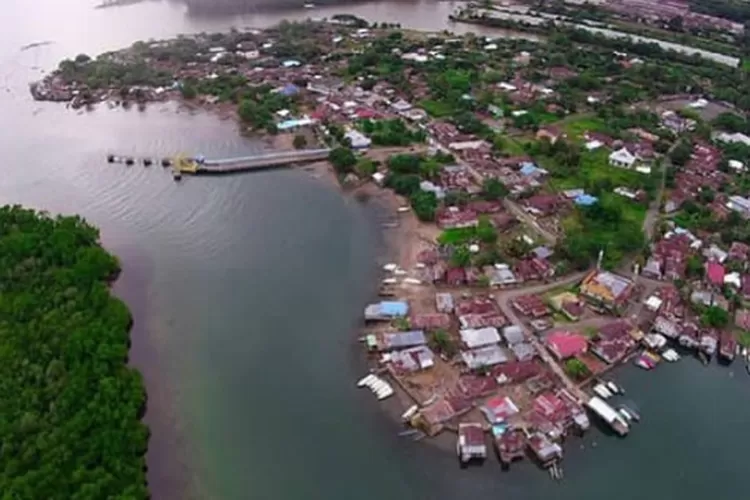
(660, 13)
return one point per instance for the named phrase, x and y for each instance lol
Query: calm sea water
(247, 291)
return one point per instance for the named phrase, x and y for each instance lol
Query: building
(386, 311)
(564, 345)
(622, 158)
(607, 289)
(357, 139)
(444, 302)
(471, 444)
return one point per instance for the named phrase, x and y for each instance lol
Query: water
(246, 292)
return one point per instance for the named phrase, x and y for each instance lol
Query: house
(739, 252)
(412, 360)
(564, 345)
(398, 340)
(483, 357)
(715, 273)
(742, 319)
(386, 311)
(739, 204)
(550, 132)
(444, 302)
(479, 337)
(622, 158)
(530, 305)
(542, 204)
(608, 289)
(357, 139)
(736, 137)
(569, 304)
(471, 443)
(454, 217)
(513, 334)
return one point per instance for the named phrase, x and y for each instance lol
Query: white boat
(365, 381)
(309, 5)
(390, 281)
(390, 267)
(406, 416)
(378, 385)
(388, 392)
(412, 281)
(625, 415)
(602, 391)
(399, 272)
(403, 209)
(613, 388)
(670, 355)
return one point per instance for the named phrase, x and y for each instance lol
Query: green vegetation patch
(576, 125)
(71, 407)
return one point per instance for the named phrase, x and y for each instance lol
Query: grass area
(595, 174)
(457, 236)
(746, 64)
(576, 125)
(513, 146)
(437, 109)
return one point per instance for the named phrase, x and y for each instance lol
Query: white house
(736, 137)
(736, 165)
(357, 139)
(622, 158)
(739, 204)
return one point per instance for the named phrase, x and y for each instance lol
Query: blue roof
(586, 200)
(289, 90)
(529, 169)
(391, 308)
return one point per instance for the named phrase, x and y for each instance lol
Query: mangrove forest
(70, 407)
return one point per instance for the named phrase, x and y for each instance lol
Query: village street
(503, 300)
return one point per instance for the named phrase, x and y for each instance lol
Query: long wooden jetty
(200, 166)
(278, 159)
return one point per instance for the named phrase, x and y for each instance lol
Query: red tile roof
(566, 344)
(715, 273)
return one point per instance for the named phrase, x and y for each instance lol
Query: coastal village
(559, 208)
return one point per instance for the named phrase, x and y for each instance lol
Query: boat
(390, 281)
(645, 362)
(625, 415)
(309, 5)
(390, 267)
(614, 389)
(670, 355)
(366, 380)
(602, 391)
(633, 414)
(406, 416)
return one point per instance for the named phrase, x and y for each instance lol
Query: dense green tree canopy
(70, 408)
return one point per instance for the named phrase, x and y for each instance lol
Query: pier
(200, 166)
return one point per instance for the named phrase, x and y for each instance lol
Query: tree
(493, 189)
(299, 141)
(69, 400)
(486, 231)
(694, 267)
(443, 343)
(461, 257)
(681, 153)
(715, 317)
(342, 159)
(576, 369)
(424, 204)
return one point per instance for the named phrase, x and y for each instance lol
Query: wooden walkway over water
(199, 166)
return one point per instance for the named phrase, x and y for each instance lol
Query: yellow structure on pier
(184, 165)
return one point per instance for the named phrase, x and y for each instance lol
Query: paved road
(503, 300)
(652, 215)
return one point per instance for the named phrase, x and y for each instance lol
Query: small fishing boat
(406, 416)
(602, 391)
(390, 267)
(633, 414)
(366, 380)
(614, 389)
(625, 415)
